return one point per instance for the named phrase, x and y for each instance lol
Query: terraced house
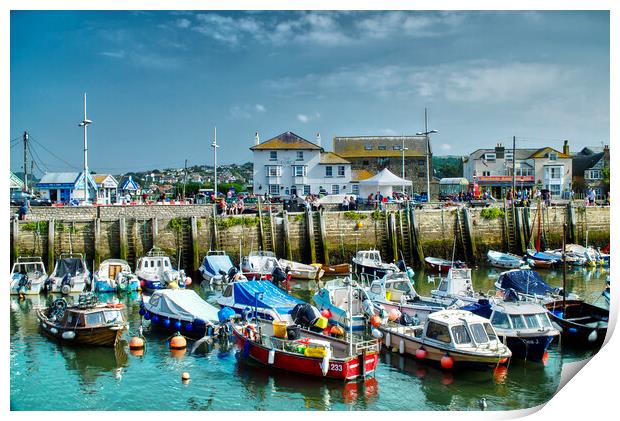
(288, 165)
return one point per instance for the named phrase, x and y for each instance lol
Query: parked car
(18, 197)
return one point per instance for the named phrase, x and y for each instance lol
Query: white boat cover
(181, 304)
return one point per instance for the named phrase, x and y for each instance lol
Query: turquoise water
(48, 376)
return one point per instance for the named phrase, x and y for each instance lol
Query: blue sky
(158, 82)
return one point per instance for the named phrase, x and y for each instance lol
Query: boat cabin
(111, 267)
(95, 316)
(458, 328)
(154, 265)
(457, 283)
(394, 287)
(368, 256)
(32, 266)
(520, 316)
(339, 296)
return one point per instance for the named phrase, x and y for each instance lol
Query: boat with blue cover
(541, 258)
(504, 260)
(523, 326)
(529, 284)
(269, 301)
(215, 267)
(180, 310)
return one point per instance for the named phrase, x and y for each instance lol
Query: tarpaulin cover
(481, 308)
(541, 255)
(272, 296)
(181, 304)
(69, 266)
(214, 263)
(526, 282)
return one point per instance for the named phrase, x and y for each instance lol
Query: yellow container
(279, 329)
(321, 323)
(388, 295)
(315, 352)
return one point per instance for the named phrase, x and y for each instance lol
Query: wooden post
(323, 238)
(392, 235)
(272, 230)
(154, 231)
(137, 244)
(469, 228)
(122, 235)
(97, 241)
(215, 240)
(287, 240)
(401, 233)
(410, 236)
(310, 232)
(572, 231)
(416, 236)
(15, 242)
(195, 252)
(51, 258)
(261, 232)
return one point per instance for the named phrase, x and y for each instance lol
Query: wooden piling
(410, 234)
(15, 242)
(215, 235)
(323, 237)
(469, 232)
(272, 230)
(310, 234)
(97, 241)
(137, 250)
(416, 237)
(287, 240)
(122, 235)
(261, 229)
(154, 231)
(193, 222)
(51, 249)
(392, 236)
(572, 224)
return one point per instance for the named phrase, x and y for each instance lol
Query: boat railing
(365, 346)
(29, 259)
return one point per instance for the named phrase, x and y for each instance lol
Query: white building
(107, 188)
(289, 164)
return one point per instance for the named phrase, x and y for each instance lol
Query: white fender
(593, 336)
(388, 340)
(401, 346)
(325, 362)
(54, 330)
(69, 334)
(272, 356)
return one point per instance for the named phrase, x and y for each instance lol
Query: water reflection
(90, 363)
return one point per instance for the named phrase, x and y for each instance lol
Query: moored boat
(300, 271)
(86, 323)
(309, 354)
(581, 324)
(259, 265)
(28, 276)
(369, 263)
(438, 265)
(529, 284)
(180, 310)
(339, 269)
(542, 259)
(70, 275)
(453, 338)
(216, 267)
(113, 275)
(504, 260)
(155, 271)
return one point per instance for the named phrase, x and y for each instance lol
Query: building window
(554, 189)
(486, 173)
(335, 189)
(553, 156)
(553, 173)
(368, 147)
(274, 170)
(382, 147)
(328, 171)
(299, 170)
(365, 162)
(490, 157)
(421, 162)
(341, 171)
(306, 190)
(383, 162)
(274, 189)
(300, 155)
(396, 147)
(273, 155)
(355, 189)
(508, 156)
(593, 174)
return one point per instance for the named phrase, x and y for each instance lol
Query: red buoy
(421, 353)
(447, 362)
(375, 321)
(326, 313)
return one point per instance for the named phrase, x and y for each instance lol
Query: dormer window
(508, 156)
(490, 157)
(553, 156)
(368, 147)
(382, 147)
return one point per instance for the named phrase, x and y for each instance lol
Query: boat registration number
(335, 367)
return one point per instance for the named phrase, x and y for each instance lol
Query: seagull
(483, 403)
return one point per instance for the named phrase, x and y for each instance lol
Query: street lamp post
(84, 123)
(426, 132)
(214, 145)
(403, 149)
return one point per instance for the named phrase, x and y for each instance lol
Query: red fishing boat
(436, 264)
(309, 353)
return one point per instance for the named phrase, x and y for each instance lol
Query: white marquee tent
(384, 181)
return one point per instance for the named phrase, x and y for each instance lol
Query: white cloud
(183, 23)
(246, 112)
(113, 54)
(303, 118)
(445, 147)
(410, 24)
(260, 108)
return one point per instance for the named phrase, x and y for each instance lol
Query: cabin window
(375, 289)
(112, 316)
(443, 286)
(227, 291)
(490, 332)
(517, 321)
(438, 332)
(72, 319)
(159, 263)
(152, 263)
(480, 335)
(544, 320)
(460, 335)
(166, 263)
(93, 319)
(532, 321)
(400, 286)
(500, 320)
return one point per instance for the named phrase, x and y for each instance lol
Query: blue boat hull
(531, 349)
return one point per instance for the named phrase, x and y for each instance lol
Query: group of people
(236, 207)
(311, 202)
(348, 204)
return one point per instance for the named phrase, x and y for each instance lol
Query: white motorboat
(28, 276)
(70, 275)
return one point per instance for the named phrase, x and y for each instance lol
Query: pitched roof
(521, 153)
(359, 175)
(59, 178)
(368, 146)
(540, 153)
(286, 140)
(582, 162)
(332, 158)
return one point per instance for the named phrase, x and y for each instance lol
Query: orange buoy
(375, 321)
(500, 374)
(447, 362)
(136, 343)
(177, 353)
(421, 353)
(178, 342)
(394, 315)
(336, 331)
(137, 352)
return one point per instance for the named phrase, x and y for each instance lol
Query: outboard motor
(305, 315)
(232, 273)
(66, 284)
(279, 276)
(401, 265)
(406, 320)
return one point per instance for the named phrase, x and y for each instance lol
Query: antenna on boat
(564, 270)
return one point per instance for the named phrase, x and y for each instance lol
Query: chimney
(256, 139)
(499, 151)
(318, 139)
(566, 148)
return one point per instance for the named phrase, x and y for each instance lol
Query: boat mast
(350, 317)
(564, 270)
(214, 145)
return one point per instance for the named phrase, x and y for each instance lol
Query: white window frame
(553, 156)
(329, 171)
(335, 189)
(344, 171)
(300, 156)
(273, 155)
(306, 189)
(382, 147)
(277, 170)
(508, 156)
(355, 189)
(490, 157)
(276, 188)
(368, 147)
(304, 170)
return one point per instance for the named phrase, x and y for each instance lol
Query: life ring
(250, 332)
(117, 305)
